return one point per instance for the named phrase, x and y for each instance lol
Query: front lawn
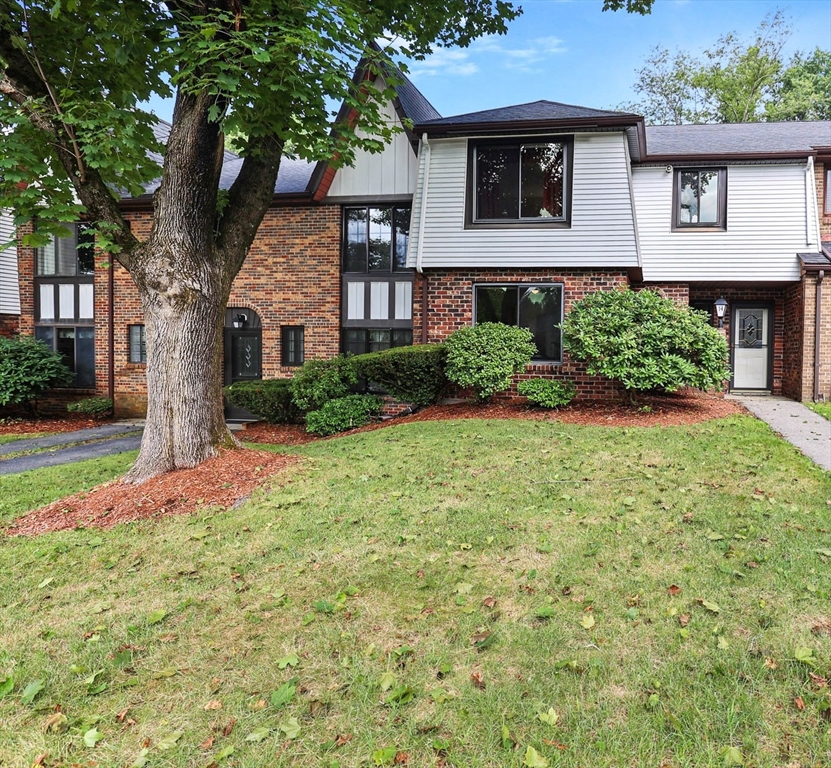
(823, 409)
(465, 593)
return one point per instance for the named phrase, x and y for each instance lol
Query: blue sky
(569, 51)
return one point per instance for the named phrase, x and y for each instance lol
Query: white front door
(750, 347)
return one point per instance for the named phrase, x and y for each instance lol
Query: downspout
(420, 250)
(111, 330)
(817, 332)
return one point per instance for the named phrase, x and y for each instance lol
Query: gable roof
(414, 104)
(737, 139)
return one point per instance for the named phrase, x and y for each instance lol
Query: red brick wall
(806, 391)
(824, 218)
(450, 306)
(678, 292)
(9, 325)
(793, 343)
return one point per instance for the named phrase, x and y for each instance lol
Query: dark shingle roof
(552, 111)
(816, 259)
(737, 138)
(414, 103)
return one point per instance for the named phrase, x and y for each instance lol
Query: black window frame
(721, 204)
(287, 360)
(393, 270)
(536, 360)
(132, 357)
(73, 365)
(559, 222)
(366, 342)
(80, 233)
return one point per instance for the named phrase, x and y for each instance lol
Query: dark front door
(243, 362)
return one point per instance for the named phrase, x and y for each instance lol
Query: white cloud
(445, 61)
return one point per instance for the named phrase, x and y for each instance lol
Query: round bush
(27, 369)
(270, 399)
(319, 381)
(343, 413)
(410, 374)
(547, 393)
(645, 342)
(486, 356)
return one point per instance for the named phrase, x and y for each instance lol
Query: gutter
(111, 330)
(817, 333)
(420, 249)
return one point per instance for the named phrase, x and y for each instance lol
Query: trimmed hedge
(487, 356)
(343, 413)
(317, 382)
(270, 399)
(27, 369)
(547, 393)
(410, 374)
(97, 407)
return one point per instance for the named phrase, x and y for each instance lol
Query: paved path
(70, 455)
(800, 426)
(66, 438)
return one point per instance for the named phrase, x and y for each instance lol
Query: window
(828, 191)
(375, 238)
(536, 307)
(67, 256)
(138, 345)
(700, 198)
(357, 341)
(519, 183)
(76, 346)
(64, 275)
(291, 345)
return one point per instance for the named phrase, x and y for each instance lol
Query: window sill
(509, 224)
(699, 229)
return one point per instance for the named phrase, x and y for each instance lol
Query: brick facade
(824, 216)
(9, 325)
(808, 288)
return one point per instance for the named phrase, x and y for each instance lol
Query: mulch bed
(230, 477)
(68, 423)
(218, 482)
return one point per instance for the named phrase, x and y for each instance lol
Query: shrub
(645, 342)
(27, 369)
(98, 407)
(270, 399)
(319, 381)
(343, 413)
(487, 356)
(547, 392)
(410, 374)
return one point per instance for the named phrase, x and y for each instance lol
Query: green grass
(372, 562)
(823, 409)
(26, 436)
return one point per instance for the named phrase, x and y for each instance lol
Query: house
(509, 214)
(9, 285)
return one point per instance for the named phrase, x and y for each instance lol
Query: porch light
(720, 305)
(240, 320)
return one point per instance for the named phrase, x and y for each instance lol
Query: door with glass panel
(243, 355)
(751, 347)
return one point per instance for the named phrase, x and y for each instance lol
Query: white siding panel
(354, 301)
(379, 301)
(47, 301)
(403, 301)
(602, 231)
(766, 227)
(66, 301)
(85, 301)
(9, 288)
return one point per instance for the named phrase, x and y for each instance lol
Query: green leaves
(732, 756)
(31, 691)
(169, 742)
(290, 727)
(156, 616)
(92, 737)
(550, 717)
(805, 656)
(384, 756)
(6, 686)
(284, 694)
(290, 660)
(534, 759)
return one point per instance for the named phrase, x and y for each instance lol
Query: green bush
(27, 369)
(319, 381)
(547, 393)
(270, 399)
(487, 356)
(645, 342)
(343, 413)
(410, 374)
(92, 406)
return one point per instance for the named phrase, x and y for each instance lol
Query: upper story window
(517, 183)
(828, 191)
(67, 256)
(375, 238)
(700, 198)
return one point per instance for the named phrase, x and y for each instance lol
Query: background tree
(735, 81)
(73, 75)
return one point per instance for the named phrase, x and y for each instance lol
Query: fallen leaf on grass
(587, 622)
(684, 619)
(799, 702)
(710, 606)
(156, 616)
(478, 680)
(551, 717)
(732, 756)
(229, 726)
(208, 743)
(290, 727)
(817, 680)
(258, 734)
(674, 589)
(214, 704)
(31, 691)
(57, 723)
(92, 737)
(169, 741)
(534, 759)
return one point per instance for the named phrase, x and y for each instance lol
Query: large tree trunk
(184, 316)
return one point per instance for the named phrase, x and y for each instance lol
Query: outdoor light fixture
(721, 306)
(240, 320)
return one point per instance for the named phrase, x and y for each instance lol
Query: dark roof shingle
(553, 111)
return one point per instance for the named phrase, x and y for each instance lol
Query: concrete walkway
(800, 426)
(67, 438)
(70, 455)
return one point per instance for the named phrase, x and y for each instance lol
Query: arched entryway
(243, 354)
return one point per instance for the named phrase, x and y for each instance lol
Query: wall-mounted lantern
(240, 320)
(721, 306)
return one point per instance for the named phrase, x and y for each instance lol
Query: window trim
(827, 190)
(344, 245)
(721, 224)
(519, 286)
(142, 337)
(564, 222)
(284, 360)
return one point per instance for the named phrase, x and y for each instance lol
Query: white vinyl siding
(602, 231)
(768, 223)
(355, 301)
(403, 301)
(47, 301)
(379, 301)
(9, 290)
(390, 172)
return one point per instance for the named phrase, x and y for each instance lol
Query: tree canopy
(735, 81)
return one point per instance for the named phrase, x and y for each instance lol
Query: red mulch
(68, 423)
(218, 482)
(225, 480)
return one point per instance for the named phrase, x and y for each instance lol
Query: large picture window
(67, 256)
(76, 346)
(375, 238)
(536, 307)
(519, 183)
(700, 198)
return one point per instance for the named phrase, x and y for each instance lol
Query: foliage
(317, 382)
(93, 406)
(645, 341)
(343, 413)
(487, 356)
(270, 399)
(547, 393)
(27, 369)
(735, 81)
(410, 374)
